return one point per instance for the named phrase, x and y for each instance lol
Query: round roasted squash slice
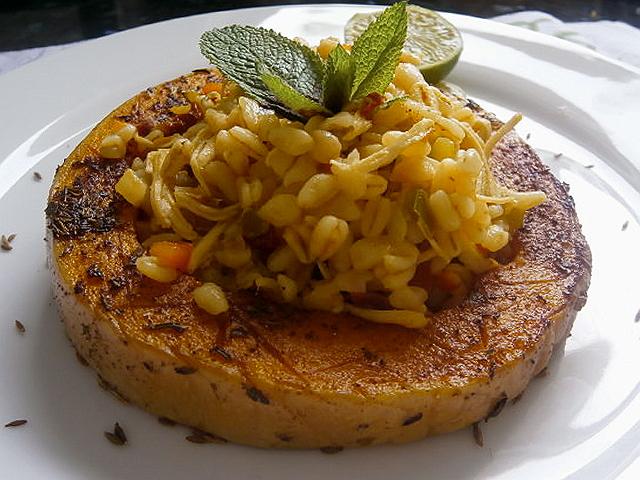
(273, 376)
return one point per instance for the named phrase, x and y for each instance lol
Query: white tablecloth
(617, 40)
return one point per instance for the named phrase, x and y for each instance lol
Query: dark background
(30, 23)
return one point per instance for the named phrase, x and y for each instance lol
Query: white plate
(582, 421)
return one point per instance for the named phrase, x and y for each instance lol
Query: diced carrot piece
(212, 87)
(449, 281)
(172, 254)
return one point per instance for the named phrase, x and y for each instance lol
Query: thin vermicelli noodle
(377, 211)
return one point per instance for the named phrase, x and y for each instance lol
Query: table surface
(31, 23)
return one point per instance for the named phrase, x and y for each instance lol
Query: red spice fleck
(370, 103)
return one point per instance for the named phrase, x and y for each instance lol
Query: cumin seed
(589, 166)
(79, 288)
(222, 352)
(477, 434)
(238, 331)
(117, 283)
(212, 437)
(557, 155)
(20, 326)
(5, 244)
(94, 271)
(37, 176)
(107, 301)
(119, 432)
(166, 421)
(117, 437)
(625, 225)
(198, 436)
(497, 408)
(176, 327)
(15, 423)
(637, 319)
(113, 438)
(331, 450)
(412, 419)
(528, 136)
(185, 370)
(256, 395)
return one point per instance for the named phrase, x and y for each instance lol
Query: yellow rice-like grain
(365, 202)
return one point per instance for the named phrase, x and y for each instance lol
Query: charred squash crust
(264, 375)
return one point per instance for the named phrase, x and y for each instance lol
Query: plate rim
(560, 43)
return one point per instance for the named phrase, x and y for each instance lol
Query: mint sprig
(289, 96)
(238, 51)
(377, 51)
(338, 79)
(292, 79)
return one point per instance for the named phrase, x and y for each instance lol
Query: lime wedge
(430, 38)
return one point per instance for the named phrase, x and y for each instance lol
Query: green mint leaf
(338, 79)
(237, 51)
(289, 96)
(377, 51)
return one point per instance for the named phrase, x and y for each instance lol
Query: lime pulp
(435, 42)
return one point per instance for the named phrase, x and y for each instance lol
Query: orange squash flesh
(268, 375)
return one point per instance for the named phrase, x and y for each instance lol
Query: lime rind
(430, 38)
(436, 72)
